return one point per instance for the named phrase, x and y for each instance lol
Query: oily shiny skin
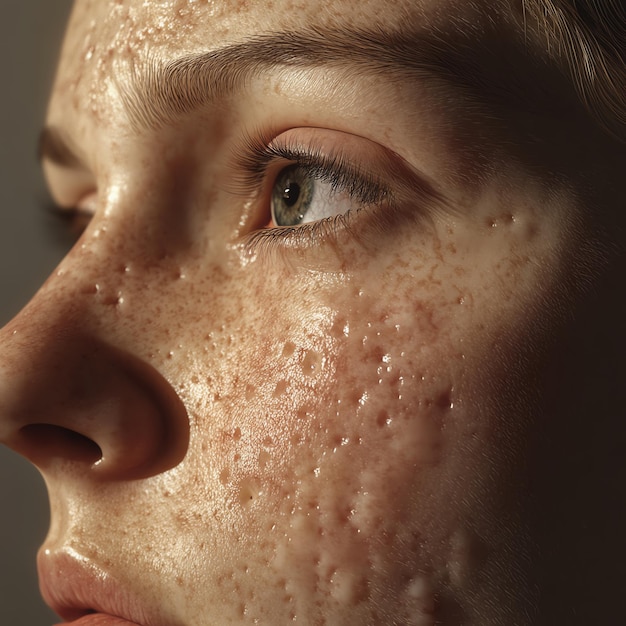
(337, 428)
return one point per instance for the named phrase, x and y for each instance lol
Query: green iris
(292, 196)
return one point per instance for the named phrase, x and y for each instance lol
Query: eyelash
(258, 157)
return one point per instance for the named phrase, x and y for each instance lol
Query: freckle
(281, 388)
(237, 434)
(225, 476)
(250, 392)
(296, 439)
(288, 349)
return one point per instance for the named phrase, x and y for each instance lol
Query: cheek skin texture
(356, 413)
(339, 468)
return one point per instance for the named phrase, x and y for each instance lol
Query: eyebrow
(158, 94)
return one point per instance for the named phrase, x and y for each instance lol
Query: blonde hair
(587, 40)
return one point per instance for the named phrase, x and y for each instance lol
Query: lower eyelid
(303, 236)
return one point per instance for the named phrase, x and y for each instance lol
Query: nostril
(44, 442)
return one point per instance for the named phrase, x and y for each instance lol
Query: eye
(71, 221)
(298, 197)
(313, 182)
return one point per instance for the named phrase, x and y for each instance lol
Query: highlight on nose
(73, 399)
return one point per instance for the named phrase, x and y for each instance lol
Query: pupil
(291, 194)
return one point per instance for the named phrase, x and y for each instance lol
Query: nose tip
(67, 398)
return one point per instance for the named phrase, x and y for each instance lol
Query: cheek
(334, 439)
(342, 439)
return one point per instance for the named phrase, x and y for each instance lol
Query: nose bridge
(69, 393)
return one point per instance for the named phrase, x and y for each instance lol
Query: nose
(71, 399)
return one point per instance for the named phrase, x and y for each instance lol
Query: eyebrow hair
(160, 93)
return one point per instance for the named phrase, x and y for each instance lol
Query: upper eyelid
(388, 169)
(255, 153)
(335, 169)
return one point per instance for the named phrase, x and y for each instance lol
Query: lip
(81, 592)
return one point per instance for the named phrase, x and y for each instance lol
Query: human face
(332, 423)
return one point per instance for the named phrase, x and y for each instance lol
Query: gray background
(30, 36)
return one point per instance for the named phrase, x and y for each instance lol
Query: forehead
(131, 24)
(104, 39)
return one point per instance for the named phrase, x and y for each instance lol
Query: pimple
(467, 554)
(91, 290)
(349, 588)
(249, 492)
(419, 601)
(113, 299)
(340, 328)
(312, 363)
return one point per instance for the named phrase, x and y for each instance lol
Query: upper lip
(73, 586)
